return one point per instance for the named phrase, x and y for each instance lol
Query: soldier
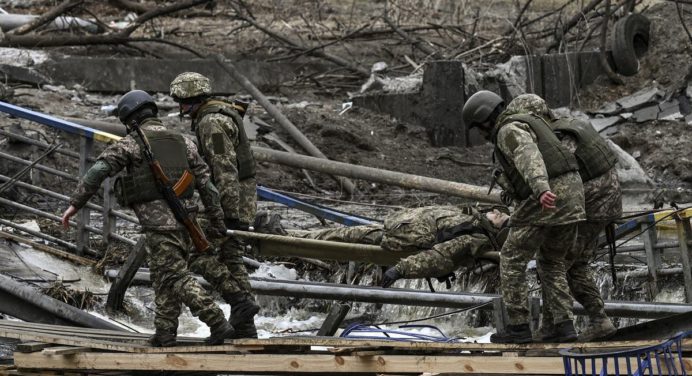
(221, 137)
(446, 236)
(603, 199)
(167, 241)
(542, 177)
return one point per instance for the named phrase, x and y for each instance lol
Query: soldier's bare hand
(547, 200)
(71, 211)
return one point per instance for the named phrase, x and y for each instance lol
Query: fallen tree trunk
(378, 175)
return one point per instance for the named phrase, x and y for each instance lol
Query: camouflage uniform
(532, 228)
(421, 229)
(167, 241)
(238, 200)
(603, 198)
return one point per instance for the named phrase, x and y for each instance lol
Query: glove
(506, 198)
(216, 229)
(390, 276)
(236, 224)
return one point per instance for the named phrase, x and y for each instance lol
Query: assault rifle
(171, 192)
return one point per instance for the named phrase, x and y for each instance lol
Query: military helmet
(132, 102)
(479, 107)
(190, 85)
(529, 104)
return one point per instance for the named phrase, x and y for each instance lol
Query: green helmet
(479, 107)
(190, 85)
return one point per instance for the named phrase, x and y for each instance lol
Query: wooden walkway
(63, 349)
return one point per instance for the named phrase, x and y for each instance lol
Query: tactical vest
(244, 158)
(417, 229)
(139, 185)
(558, 160)
(593, 154)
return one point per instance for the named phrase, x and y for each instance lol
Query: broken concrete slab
(610, 108)
(672, 103)
(600, 124)
(155, 75)
(670, 114)
(640, 99)
(646, 114)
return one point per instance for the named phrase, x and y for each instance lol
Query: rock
(640, 99)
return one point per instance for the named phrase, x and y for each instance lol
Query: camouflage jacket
(602, 195)
(221, 157)
(517, 142)
(154, 215)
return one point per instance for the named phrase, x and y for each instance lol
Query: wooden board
(308, 363)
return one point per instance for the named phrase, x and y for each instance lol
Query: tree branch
(421, 45)
(47, 17)
(157, 12)
(682, 20)
(129, 5)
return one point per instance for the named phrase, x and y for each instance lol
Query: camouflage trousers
(173, 283)
(353, 234)
(247, 207)
(580, 274)
(444, 257)
(224, 270)
(550, 245)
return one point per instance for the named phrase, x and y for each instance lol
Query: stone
(646, 114)
(600, 124)
(640, 99)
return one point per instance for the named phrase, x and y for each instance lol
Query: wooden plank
(653, 257)
(47, 249)
(684, 235)
(65, 350)
(293, 363)
(32, 346)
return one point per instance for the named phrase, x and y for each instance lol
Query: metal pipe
(67, 199)
(31, 141)
(645, 273)
(332, 291)
(44, 214)
(281, 119)
(117, 129)
(53, 306)
(40, 167)
(658, 245)
(41, 235)
(377, 175)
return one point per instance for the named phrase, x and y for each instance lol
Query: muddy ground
(361, 136)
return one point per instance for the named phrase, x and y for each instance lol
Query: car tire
(630, 42)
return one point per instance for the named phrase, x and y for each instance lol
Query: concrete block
(443, 89)
(155, 75)
(11, 73)
(646, 114)
(589, 67)
(610, 108)
(559, 77)
(534, 80)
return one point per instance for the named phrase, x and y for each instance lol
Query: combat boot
(599, 328)
(562, 332)
(520, 333)
(544, 331)
(243, 318)
(162, 338)
(220, 332)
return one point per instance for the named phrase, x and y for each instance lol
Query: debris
(11, 21)
(76, 298)
(630, 173)
(646, 114)
(610, 108)
(601, 123)
(640, 99)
